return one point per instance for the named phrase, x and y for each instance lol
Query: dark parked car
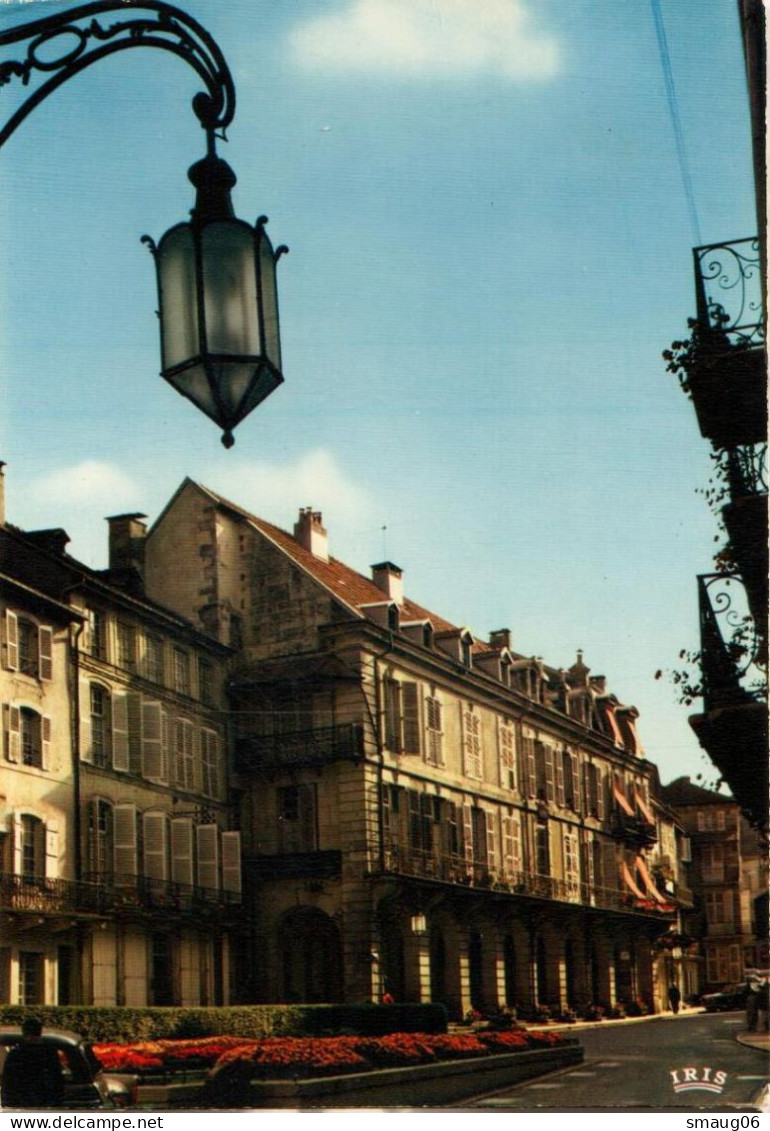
(85, 1083)
(731, 997)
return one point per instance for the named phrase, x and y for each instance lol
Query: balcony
(632, 830)
(733, 726)
(726, 360)
(128, 893)
(266, 755)
(38, 895)
(455, 870)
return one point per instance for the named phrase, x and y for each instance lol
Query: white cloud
(276, 491)
(87, 484)
(452, 38)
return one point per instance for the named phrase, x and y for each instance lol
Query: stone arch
(309, 943)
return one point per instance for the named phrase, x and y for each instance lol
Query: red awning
(620, 796)
(647, 879)
(631, 883)
(617, 736)
(644, 807)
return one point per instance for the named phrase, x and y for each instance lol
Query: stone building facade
(423, 813)
(729, 882)
(121, 867)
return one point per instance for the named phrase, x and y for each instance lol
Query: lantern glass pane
(230, 291)
(269, 301)
(178, 306)
(194, 384)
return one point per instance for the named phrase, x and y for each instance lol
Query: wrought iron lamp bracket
(62, 45)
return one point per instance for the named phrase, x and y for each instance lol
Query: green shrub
(143, 1023)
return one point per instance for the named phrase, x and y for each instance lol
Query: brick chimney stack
(500, 638)
(390, 579)
(310, 533)
(126, 541)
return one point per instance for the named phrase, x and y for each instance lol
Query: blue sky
(490, 248)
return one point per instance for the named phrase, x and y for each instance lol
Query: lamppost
(216, 275)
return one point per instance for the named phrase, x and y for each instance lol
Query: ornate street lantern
(220, 343)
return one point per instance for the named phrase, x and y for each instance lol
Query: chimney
(2, 492)
(500, 638)
(390, 579)
(126, 544)
(310, 533)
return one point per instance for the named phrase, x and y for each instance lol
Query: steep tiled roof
(345, 584)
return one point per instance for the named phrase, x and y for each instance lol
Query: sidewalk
(760, 1041)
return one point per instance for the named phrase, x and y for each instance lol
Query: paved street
(629, 1066)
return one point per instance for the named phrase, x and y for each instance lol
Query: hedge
(121, 1023)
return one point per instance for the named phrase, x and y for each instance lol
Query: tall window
(542, 851)
(544, 776)
(100, 837)
(206, 682)
(479, 835)
(31, 986)
(32, 854)
(297, 830)
(101, 736)
(28, 648)
(97, 634)
(31, 738)
(153, 658)
(126, 646)
(181, 671)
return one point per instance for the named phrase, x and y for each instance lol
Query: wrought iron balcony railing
(99, 894)
(455, 870)
(269, 754)
(633, 830)
(728, 288)
(732, 664)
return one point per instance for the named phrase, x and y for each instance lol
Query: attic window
(427, 634)
(465, 651)
(393, 618)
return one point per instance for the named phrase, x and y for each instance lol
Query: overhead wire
(676, 122)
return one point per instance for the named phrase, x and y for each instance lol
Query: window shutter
(194, 740)
(208, 857)
(231, 863)
(602, 785)
(18, 841)
(528, 765)
(549, 771)
(434, 734)
(152, 753)
(410, 705)
(467, 834)
(155, 827)
(385, 810)
(45, 652)
(491, 839)
(120, 753)
(166, 730)
(134, 700)
(12, 733)
(45, 742)
(182, 851)
(84, 708)
(472, 744)
(507, 756)
(51, 850)
(392, 691)
(124, 850)
(576, 799)
(11, 640)
(558, 756)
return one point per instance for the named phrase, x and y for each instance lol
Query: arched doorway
(624, 973)
(312, 956)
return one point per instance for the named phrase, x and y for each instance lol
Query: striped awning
(620, 797)
(643, 806)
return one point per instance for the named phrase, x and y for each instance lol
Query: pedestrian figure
(32, 1074)
(674, 997)
(752, 1005)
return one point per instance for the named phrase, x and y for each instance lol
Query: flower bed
(302, 1057)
